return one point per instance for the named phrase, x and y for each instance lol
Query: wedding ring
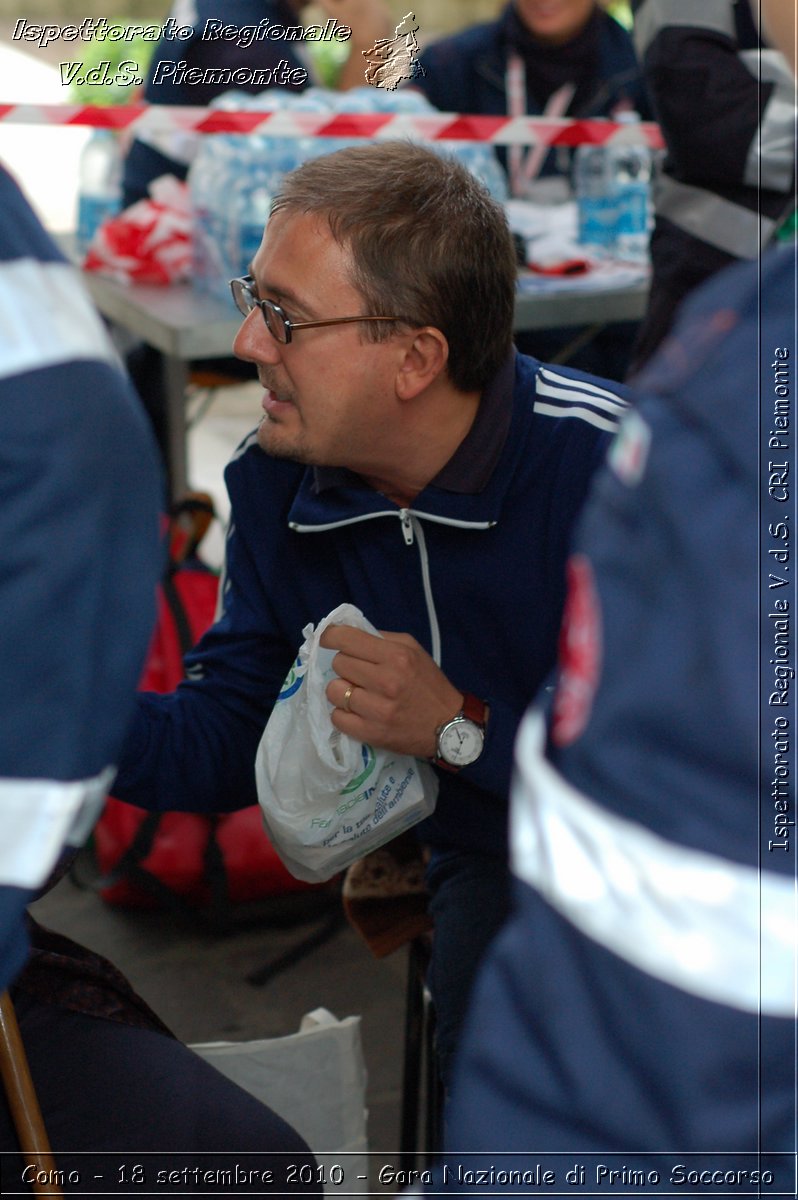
(347, 697)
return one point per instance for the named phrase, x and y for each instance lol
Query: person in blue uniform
(570, 59)
(725, 102)
(638, 1009)
(409, 462)
(79, 522)
(79, 527)
(518, 62)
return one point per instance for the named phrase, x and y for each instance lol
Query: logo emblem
(392, 61)
(293, 680)
(369, 763)
(579, 654)
(628, 454)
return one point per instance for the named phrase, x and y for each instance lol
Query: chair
(422, 1091)
(386, 902)
(24, 1104)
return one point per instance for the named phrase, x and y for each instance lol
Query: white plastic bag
(316, 1081)
(326, 799)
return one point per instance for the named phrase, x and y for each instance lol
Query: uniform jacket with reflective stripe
(661, 1037)
(79, 499)
(726, 107)
(476, 579)
(666, 830)
(672, 736)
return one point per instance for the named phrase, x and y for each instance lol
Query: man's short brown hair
(427, 242)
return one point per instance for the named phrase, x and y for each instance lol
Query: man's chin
(274, 442)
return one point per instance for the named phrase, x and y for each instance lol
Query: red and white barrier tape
(435, 126)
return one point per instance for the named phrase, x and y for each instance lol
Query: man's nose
(253, 342)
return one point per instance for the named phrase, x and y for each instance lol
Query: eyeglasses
(278, 324)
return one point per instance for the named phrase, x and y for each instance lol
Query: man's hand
(390, 693)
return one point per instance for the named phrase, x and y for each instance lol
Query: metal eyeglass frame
(245, 300)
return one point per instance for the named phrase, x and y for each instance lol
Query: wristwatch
(461, 740)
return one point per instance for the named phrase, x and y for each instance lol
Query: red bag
(159, 859)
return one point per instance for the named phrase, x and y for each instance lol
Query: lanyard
(524, 166)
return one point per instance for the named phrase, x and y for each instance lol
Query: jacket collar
(469, 488)
(474, 461)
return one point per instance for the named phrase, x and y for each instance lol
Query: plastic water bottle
(482, 162)
(613, 194)
(631, 172)
(99, 184)
(201, 181)
(250, 203)
(209, 182)
(596, 198)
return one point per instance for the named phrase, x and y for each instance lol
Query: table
(184, 324)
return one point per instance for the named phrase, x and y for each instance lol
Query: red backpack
(188, 860)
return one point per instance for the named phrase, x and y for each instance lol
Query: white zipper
(412, 531)
(297, 528)
(402, 513)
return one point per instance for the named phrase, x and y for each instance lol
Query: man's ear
(425, 359)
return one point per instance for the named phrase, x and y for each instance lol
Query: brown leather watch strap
(475, 709)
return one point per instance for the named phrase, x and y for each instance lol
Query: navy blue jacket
(641, 999)
(466, 73)
(477, 579)
(79, 500)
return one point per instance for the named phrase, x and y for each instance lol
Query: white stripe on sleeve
(584, 414)
(710, 926)
(47, 318)
(40, 817)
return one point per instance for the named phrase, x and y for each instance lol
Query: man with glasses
(415, 466)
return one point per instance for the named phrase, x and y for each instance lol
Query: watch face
(460, 743)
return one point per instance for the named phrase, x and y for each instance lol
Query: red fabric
(177, 858)
(150, 242)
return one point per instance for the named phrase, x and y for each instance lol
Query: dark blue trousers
(129, 1109)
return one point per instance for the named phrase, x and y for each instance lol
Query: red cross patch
(579, 653)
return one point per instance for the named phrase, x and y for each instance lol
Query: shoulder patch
(579, 654)
(628, 453)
